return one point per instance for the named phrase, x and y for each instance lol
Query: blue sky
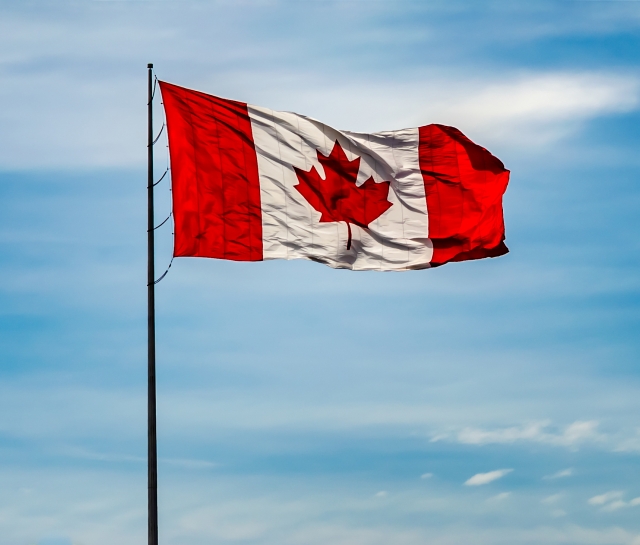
(492, 402)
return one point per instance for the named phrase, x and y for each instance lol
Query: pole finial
(150, 65)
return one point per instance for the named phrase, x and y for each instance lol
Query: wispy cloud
(573, 435)
(606, 497)
(500, 497)
(186, 463)
(614, 505)
(102, 456)
(612, 501)
(554, 498)
(541, 108)
(630, 443)
(486, 478)
(559, 474)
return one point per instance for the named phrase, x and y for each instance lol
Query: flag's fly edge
(464, 184)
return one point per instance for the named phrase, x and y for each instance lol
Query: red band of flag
(464, 185)
(216, 192)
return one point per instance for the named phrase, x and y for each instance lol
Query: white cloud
(560, 474)
(606, 497)
(486, 478)
(381, 494)
(500, 497)
(188, 463)
(630, 443)
(554, 498)
(426, 475)
(579, 431)
(476, 436)
(573, 435)
(615, 505)
(102, 456)
(540, 108)
(612, 501)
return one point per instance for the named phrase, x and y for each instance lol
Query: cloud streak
(542, 108)
(612, 501)
(485, 478)
(559, 474)
(575, 434)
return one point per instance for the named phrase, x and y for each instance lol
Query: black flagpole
(152, 452)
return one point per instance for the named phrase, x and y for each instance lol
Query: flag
(251, 184)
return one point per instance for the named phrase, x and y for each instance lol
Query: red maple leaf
(337, 197)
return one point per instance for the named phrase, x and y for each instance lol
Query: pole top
(150, 65)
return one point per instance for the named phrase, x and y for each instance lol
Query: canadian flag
(251, 184)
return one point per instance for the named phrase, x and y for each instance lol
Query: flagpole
(152, 446)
